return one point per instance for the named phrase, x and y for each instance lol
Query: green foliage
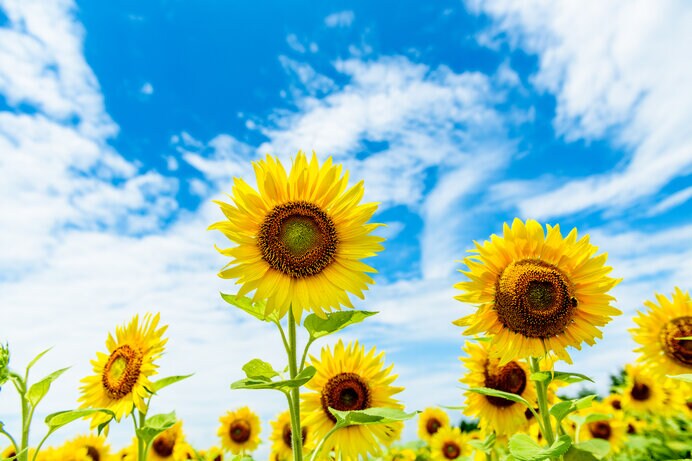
(165, 382)
(264, 382)
(617, 380)
(40, 388)
(155, 425)
(4, 364)
(561, 409)
(524, 448)
(55, 421)
(504, 395)
(567, 377)
(318, 327)
(370, 416)
(468, 425)
(257, 309)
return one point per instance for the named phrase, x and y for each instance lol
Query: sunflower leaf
(318, 327)
(686, 377)
(370, 416)
(256, 309)
(501, 394)
(590, 418)
(523, 448)
(561, 409)
(599, 448)
(36, 359)
(263, 383)
(165, 382)
(39, 389)
(259, 369)
(576, 454)
(540, 376)
(59, 419)
(155, 425)
(570, 378)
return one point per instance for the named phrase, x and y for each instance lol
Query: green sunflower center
(345, 392)
(287, 435)
(509, 378)
(432, 426)
(240, 431)
(121, 371)
(680, 350)
(640, 392)
(534, 298)
(600, 430)
(298, 239)
(451, 449)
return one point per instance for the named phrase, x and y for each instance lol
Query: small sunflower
(166, 445)
(8, 452)
(93, 447)
(121, 377)
(449, 443)
(612, 429)
(349, 379)
(239, 431)
(282, 437)
(213, 454)
(535, 292)
(614, 401)
(484, 370)
(658, 333)
(300, 238)
(643, 393)
(430, 421)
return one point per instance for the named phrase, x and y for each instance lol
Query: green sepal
(524, 448)
(318, 327)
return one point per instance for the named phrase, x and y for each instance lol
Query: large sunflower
(121, 377)
(449, 443)
(430, 421)
(658, 332)
(282, 437)
(535, 292)
(643, 393)
(300, 238)
(484, 370)
(239, 431)
(349, 379)
(90, 447)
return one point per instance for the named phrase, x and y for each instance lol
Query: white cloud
(295, 44)
(340, 19)
(672, 201)
(147, 89)
(619, 71)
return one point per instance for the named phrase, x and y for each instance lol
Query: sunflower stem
(542, 397)
(296, 431)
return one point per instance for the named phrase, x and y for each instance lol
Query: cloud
(147, 89)
(618, 72)
(340, 19)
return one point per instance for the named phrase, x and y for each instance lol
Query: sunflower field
(298, 246)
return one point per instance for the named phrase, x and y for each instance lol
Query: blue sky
(121, 121)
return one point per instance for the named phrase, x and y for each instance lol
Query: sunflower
(349, 379)
(213, 454)
(282, 437)
(166, 445)
(8, 452)
(642, 392)
(535, 292)
(612, 428)
(449, 443)
(121, 377)
(239, 431)
(430, 421)
(90, 447)
(300, 238)
(614, 401)
(485, 370)
(658, 333)
(400, 454)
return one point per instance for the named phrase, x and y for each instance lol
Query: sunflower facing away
(282, 437)
(299, 239)
(484, 370)
(350, 379)
(430, 421)
(449, 443)
(537, 291)
(239, 431)
(658, 332)
(121, 376)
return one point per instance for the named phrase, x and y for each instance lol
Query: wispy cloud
(340, 19)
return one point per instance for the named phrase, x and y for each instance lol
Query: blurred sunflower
(611, 428)
(166, 445)
(400, 454)
(300, 238)
(282, 437)
(8, 452)
(449, 443)
(659, 331)
(239, 431)
(92, 447)
(121, 377)
(213, 454)
(430, 421)
(614, 401)
(349, 379)
(535, 292)
(643, 393)
(484, 370)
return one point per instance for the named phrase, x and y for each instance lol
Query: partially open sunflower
(537, 291)
(300, 238)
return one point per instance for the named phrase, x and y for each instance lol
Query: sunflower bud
(4, 364)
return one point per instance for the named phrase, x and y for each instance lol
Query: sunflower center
(600, 430)
(93, 453)
(616, 403)
(121, 371)
(163, 446)
(451, 450)
(680, 350)
(432, 426)
(640, 391)
(297, 239)
(287, 435)
(240, 431)
(510, 378)
(534, 298)
(345, 392)
(216, 458)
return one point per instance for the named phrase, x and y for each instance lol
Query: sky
(120, 122)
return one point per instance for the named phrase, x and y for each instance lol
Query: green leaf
(256, 309)
(523, 448)
(686, 377)
(540, 376)
(318, 327)
(575, 454)
(599, 448)
(36, 359)
(242, 458)
(370, 416)
(561, 409)
(259, 369)
(57, 420)
(167, 381)
(155, 425)
(570, 378)
(484, 445)
(504, 395)
(590, 418)
(39, 389)
(585, 402)
(300, 379)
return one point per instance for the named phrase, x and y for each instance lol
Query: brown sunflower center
(93, 453)
(163, 445)
(451, 449)
(631, 429)
(640, 391)
(616, 404)
(345, 392)
(680, 350)
(510, 378)
(121, 371)
(240, 431)
(534, 298)
(600, 430)
(297, 239)
(287, 435)
(432, 426)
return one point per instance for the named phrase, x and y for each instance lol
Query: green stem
(542, 397)
(305, 354)
(283, 337)
(296, 431)
(319, 446)
(9, 436)
(38, 448)
(20, 385)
